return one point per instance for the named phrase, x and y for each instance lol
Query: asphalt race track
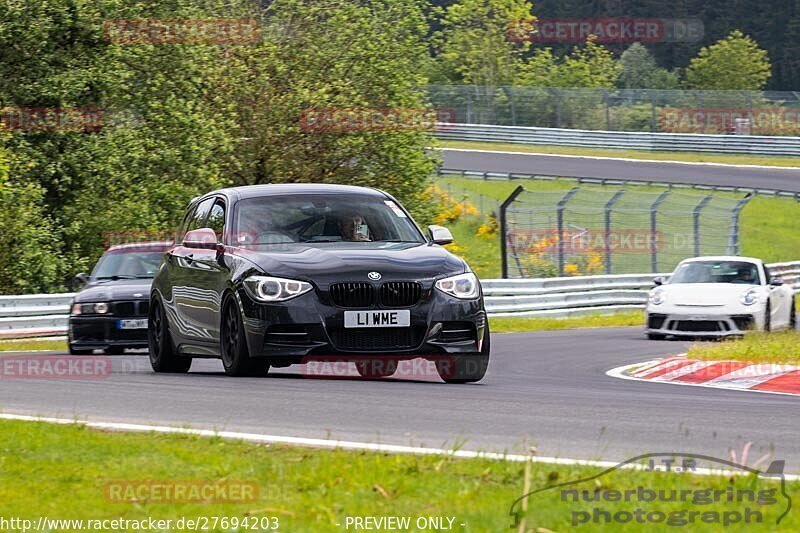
(703, 174)
(547, 389)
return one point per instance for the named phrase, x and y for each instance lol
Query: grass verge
(25, 345)
(690, 157)
(780, 347)
(72, 472)
(511, 324)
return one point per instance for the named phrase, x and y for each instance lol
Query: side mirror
(203, 238)
(440, 235)
(659, 280)
(79, 281)
(776, 282)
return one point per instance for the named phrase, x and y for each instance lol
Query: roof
(255, 191)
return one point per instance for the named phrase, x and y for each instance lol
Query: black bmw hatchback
(275, 275)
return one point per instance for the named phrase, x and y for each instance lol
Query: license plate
(135, 323)
(377, 319)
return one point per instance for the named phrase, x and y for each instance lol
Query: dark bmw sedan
(110, 312)
(275, 275)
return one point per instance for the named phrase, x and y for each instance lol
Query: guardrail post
(560, 224)
(504, 230)
(734, 243)
(608, 208)
(653, 229)
(696, 217)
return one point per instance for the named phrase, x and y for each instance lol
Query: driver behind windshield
(353, 227)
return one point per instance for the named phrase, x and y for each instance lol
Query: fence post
(653, 230)
(504, 231)
(696, 217)
(734, 243)
(609, 206)
(560, 224)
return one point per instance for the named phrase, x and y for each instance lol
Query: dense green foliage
(179, 119)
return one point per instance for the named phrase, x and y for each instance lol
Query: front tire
(233, 345)
(163, 357)
(792, 316)
(467, 368)
(768, 318)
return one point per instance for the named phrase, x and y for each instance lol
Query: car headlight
(657, 297)
(269, 289)
(750, 297)
(100, 308)
(464, 286)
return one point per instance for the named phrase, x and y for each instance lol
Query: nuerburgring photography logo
(660, 489)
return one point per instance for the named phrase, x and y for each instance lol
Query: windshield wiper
(116, 277)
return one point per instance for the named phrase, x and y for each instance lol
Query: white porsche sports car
(717, 297)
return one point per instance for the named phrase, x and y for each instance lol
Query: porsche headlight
(269, 289)
(463, 286)
(749, 297)
(657, 296)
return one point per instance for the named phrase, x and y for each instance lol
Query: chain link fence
(645, 110)
(591, 231)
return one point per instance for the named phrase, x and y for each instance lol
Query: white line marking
(623, 372)
(351, 445)
(626, 159)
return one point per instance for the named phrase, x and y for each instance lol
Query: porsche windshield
(716, 272)
(284, 219)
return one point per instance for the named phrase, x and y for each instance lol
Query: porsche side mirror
(659, 280)
(440, 235)
(203, 238)
(776, 282)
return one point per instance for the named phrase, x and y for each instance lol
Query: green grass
(63, 472)
(757, 347)
(24, 345)
(769, 227)
(510, 324)
(693, 157)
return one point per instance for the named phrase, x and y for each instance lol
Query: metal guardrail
(665, 142)
(48, 314)
(560, 297)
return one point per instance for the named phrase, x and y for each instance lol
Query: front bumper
(100, 332)
(701, 325)
(310, 325)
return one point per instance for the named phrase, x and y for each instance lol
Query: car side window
(185, 224)
(198, 220)
(216, 219)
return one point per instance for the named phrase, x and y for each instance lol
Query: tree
(591, 65)
(733, 63)
(474, 45)
(28, 243)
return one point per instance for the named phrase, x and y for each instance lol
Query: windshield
(322, 218)
(716, 272)
(122, 264)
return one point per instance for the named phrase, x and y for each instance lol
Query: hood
(108, 290)
(353, 261)
(705, 294)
